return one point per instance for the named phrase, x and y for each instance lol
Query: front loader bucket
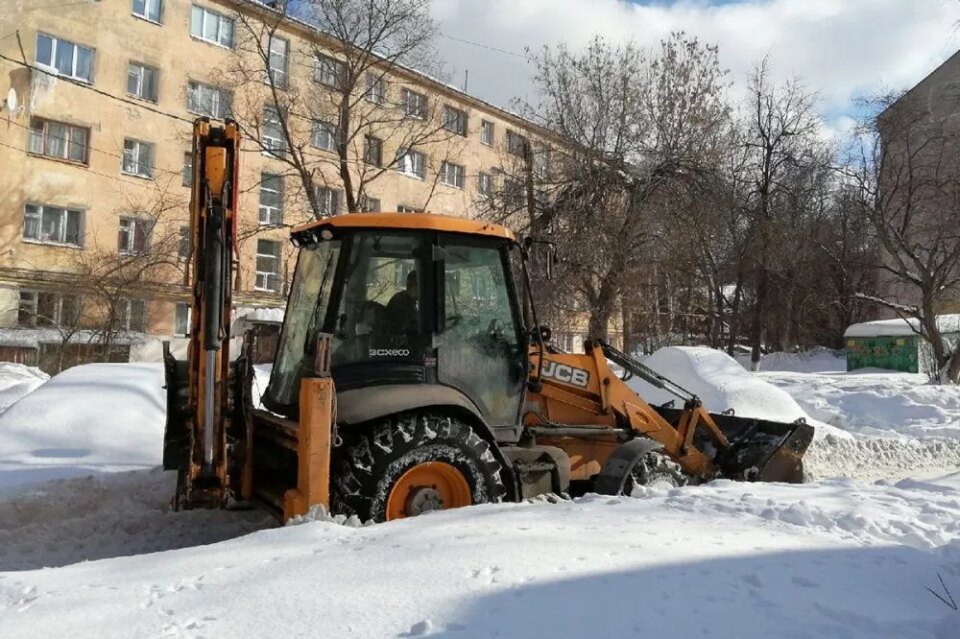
(760, 450)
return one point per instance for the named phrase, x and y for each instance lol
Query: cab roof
(406, 221)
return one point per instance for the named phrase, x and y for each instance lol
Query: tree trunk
(756, 330)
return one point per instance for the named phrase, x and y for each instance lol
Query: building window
(516, 144)
(541, 164)
(372, 150)
(53, 225)
(405, 208)
(486, 132)
(277, 63)
(181, 319)
(133, 236)
(212, 27)
(369, 204)
(59, 140)
(187, 170)
(376, 89)
(65, 57)
(138, 158)
(452, 174)
(328, 200)
(208, 100)
(330, 72)
(151, 10)
(268, 266)
(183, 250)
(271, 199)
(484, 183)
(514, 193)
(142, 81)
(131, 315)
(414, 104)
(40, 309)
(412, 163)
(455, 120)
(273, 140)
(324, 135)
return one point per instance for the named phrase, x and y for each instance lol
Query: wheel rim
(425, 487)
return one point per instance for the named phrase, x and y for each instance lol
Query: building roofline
(439, 85)
(923, 80)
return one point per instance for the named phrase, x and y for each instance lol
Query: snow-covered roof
(265, 315)
(33, 337)
(900, 327)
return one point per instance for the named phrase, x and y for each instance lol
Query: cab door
(481, 349)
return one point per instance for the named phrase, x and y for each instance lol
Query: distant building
(86, 163)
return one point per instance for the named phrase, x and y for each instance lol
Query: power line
(486, 46)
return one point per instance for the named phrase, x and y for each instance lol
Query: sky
(841, 49)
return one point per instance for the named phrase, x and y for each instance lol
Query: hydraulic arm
(207, 413)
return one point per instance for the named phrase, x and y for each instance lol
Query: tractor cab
(421, 309)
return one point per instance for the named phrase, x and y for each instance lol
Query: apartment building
(95, 155)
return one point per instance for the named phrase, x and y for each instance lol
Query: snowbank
(95, 417)
(719, 381)
(726, 560)
(16, 380)
(816, 360)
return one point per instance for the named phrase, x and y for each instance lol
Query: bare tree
(907, 178)
(780, 135)
(334, 121)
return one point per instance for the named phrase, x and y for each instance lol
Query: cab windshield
(303, 322)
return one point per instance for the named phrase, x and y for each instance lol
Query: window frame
(487, 126)
(406, 208)
(418, 108)
(376, 89)
(224, 100)
(318, 128)
(366, 204)
(371, 142)
(513, 139)
(458, 171)
(221, 19)
(267, 275)
(187, 316)
(336, 68)
(54, 46)
(271, 211)
(280, 77)
(68, 141)
(40, 209)
(485, 182)
(125, 320)
(456, 124)
(136, 225)
(156, 81)
(144, 15)
(403, 154)
(151, 166)
(58, 314)
(330, 198)
(186, 171)
(273, 150)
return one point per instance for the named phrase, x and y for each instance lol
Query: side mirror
(542, 333)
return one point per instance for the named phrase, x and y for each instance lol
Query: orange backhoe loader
(406, 379)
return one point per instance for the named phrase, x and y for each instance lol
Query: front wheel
(414, 463)
(655, 470)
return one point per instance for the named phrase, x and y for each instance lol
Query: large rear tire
(413, 463)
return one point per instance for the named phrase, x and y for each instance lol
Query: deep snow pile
(899, 442)
(833, 559)
(817, 360)
(95, 417)
(16, 380)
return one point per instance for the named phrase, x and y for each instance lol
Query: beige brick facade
(42, 243)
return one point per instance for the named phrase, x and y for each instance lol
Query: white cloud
(842, 48)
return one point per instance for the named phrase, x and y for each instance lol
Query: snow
(817, 360)
(17, 380)
(900, 327)
(849, 554)
(95, 417)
